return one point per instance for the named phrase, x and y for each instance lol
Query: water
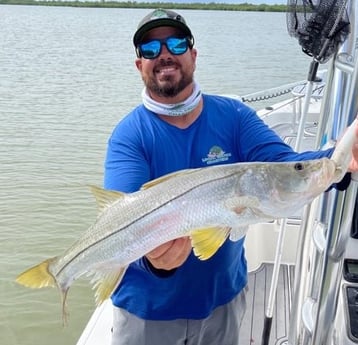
(67, 76)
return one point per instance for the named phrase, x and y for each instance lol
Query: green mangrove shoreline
(167, 5)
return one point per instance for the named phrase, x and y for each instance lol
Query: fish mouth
(324, 176)
(330, 171)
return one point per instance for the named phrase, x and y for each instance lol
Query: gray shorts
(221, 327)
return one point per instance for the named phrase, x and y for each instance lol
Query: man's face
(167, 75)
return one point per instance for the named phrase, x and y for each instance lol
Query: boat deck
(257, 297)
(98, 330)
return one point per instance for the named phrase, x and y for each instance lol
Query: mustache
(166, 63)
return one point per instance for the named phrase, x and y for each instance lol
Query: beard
(168, 87)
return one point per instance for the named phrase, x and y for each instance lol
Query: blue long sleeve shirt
(143, 147)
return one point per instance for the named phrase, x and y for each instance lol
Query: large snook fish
(207, 204)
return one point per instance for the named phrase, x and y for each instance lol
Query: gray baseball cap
(161, 17)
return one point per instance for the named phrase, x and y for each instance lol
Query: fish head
(313, 176)
(294, 184)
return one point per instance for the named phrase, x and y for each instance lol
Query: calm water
(67, 76)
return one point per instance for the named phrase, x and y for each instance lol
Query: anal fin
(106, 282)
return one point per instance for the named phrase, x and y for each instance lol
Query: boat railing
(271, 93)
(318, 272)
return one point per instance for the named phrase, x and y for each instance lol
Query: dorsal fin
(105, 198)
(166, 177)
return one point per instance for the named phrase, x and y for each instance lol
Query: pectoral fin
(206, 241)
(239, 204)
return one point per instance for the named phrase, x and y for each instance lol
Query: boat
(303, 270)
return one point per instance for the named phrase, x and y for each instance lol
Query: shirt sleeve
(126, 166)
(258, 142)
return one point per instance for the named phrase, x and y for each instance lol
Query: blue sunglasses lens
(152, 49)
(177, 46)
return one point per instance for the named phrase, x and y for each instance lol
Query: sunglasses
(153, 48)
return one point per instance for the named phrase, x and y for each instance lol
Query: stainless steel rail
(328, 221)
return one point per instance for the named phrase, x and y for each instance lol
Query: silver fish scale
(172, 208)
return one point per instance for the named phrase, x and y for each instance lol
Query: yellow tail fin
(38, 276)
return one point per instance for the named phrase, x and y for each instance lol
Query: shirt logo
(216, 154)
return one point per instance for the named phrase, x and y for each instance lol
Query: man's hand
(170, 255)
(353, 166)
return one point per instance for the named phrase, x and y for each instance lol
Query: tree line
(166, 5)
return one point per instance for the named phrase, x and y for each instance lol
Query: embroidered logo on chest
(216, 154)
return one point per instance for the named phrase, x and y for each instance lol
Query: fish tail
(65, 314)
(38, 276)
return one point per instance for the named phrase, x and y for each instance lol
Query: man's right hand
(170, 255)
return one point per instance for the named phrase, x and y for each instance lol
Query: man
(169, 297)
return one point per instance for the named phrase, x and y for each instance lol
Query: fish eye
(299, 166)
